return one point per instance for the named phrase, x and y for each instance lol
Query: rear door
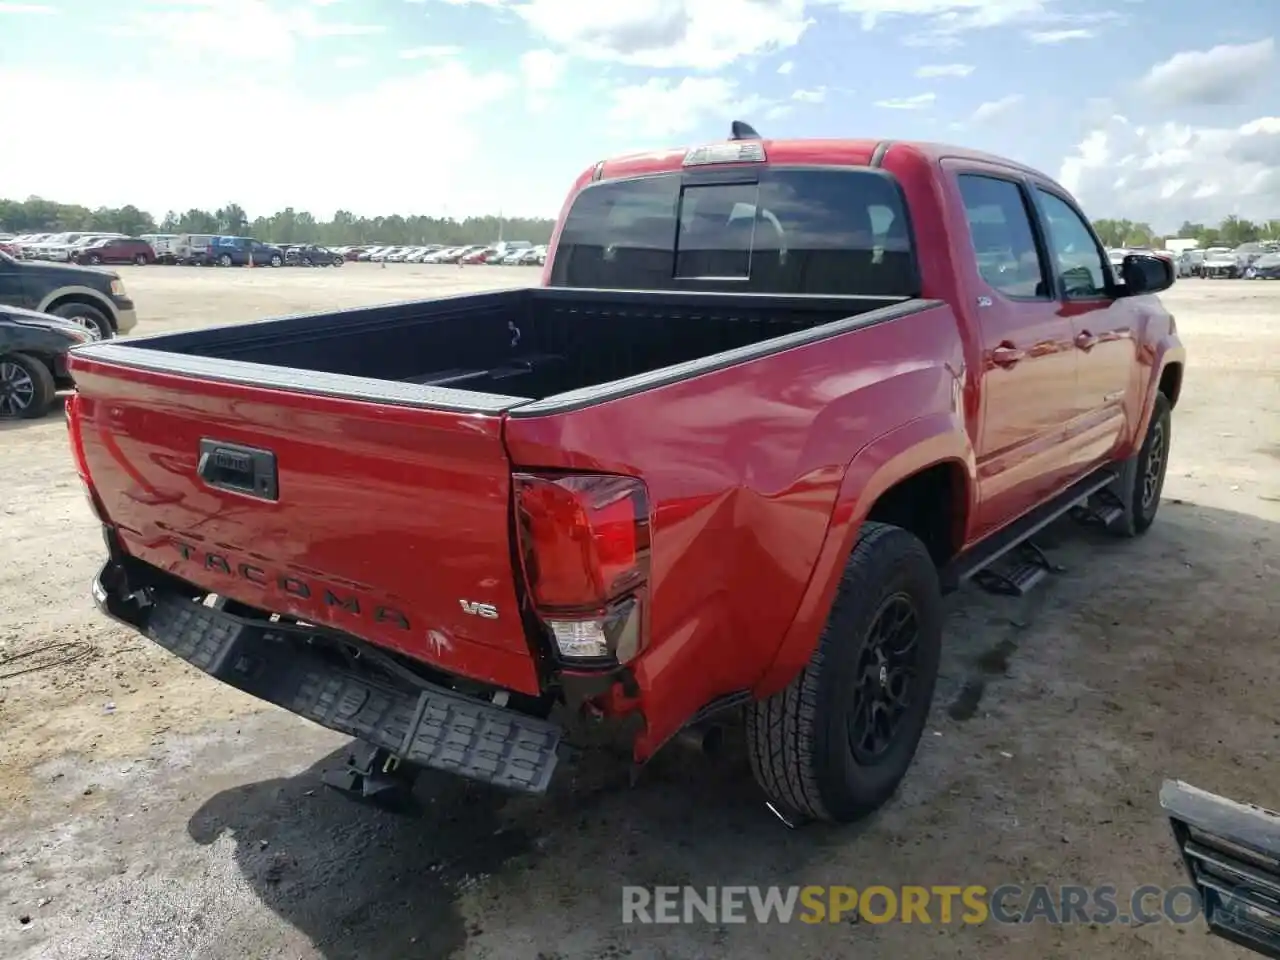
(1029, 360)
(387, 522)
(1104, 329)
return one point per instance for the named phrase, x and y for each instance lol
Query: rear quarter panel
(744, 467)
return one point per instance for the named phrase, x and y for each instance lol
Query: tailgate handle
(246, 470)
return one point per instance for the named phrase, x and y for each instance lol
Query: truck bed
(496, 351)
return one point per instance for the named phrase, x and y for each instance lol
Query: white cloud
(931, 71)
(541, 72)
(442, 143)
(1223, 75)
(1045, 37)
(235, 29)
(28, 8)
(1167, 173)
(661, 108)
(918, 102)
(947, 14)
(694, 34)
(816, 95)
(941, 24)
(787, 67)
(542, 69)
(348, 61)
(429, 52)
(995, 108)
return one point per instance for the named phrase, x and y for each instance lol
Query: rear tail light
(584, 545)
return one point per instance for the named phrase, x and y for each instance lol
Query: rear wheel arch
(930, 454)
(1170, 383)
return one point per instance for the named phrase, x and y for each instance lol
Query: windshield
(813, 231)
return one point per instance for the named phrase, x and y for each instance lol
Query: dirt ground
(148, 812)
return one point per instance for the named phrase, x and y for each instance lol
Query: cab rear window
(811, 231)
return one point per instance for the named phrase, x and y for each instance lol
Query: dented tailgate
(387, 522)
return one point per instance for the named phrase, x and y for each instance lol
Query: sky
(1154, 110)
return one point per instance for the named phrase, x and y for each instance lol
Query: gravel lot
(147, 812)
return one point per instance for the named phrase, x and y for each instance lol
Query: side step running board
(1007, 562)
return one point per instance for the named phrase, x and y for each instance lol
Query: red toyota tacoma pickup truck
(772, 400)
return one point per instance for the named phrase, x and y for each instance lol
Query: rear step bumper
(433, 727)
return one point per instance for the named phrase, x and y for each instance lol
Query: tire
(276, 261)
(224, 260)
(89, 317)
(1151, 463)
(337, 262)
(140, 259)
(27, 390)
(799, 740)
(95, 260)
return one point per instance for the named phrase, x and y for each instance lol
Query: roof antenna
(743, 131)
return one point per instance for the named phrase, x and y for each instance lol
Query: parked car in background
(444, 255)
(238, 251)
(116, 250)
(162, 244)
(33, 360)
(92, 297)
(191, 248)
(420, 255)
(25, 241)
(1266, 267)
(1220, 263)
(60, 247)
(310, 255)
(476, 255)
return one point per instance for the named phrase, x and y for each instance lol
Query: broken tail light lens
(584, 546)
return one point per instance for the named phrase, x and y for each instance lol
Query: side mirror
(1143, 273)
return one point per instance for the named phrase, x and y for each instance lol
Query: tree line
(1230, 232)
(36, 214)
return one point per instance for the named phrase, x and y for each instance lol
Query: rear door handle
(1006, 355)
(1086, 340)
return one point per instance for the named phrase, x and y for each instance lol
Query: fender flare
(1167, 351)
(85, 293)
(902, 452)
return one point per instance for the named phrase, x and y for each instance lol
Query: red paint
(757, 476)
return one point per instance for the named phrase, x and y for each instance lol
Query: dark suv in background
(116, 250)
(91, 297)
(236, 251)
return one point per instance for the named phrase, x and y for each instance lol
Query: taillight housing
(584, 544)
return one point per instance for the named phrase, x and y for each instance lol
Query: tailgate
(387, 522)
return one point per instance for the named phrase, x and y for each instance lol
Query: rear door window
(811, 231)
(1003, 239)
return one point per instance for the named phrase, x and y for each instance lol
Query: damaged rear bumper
(427, 725)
